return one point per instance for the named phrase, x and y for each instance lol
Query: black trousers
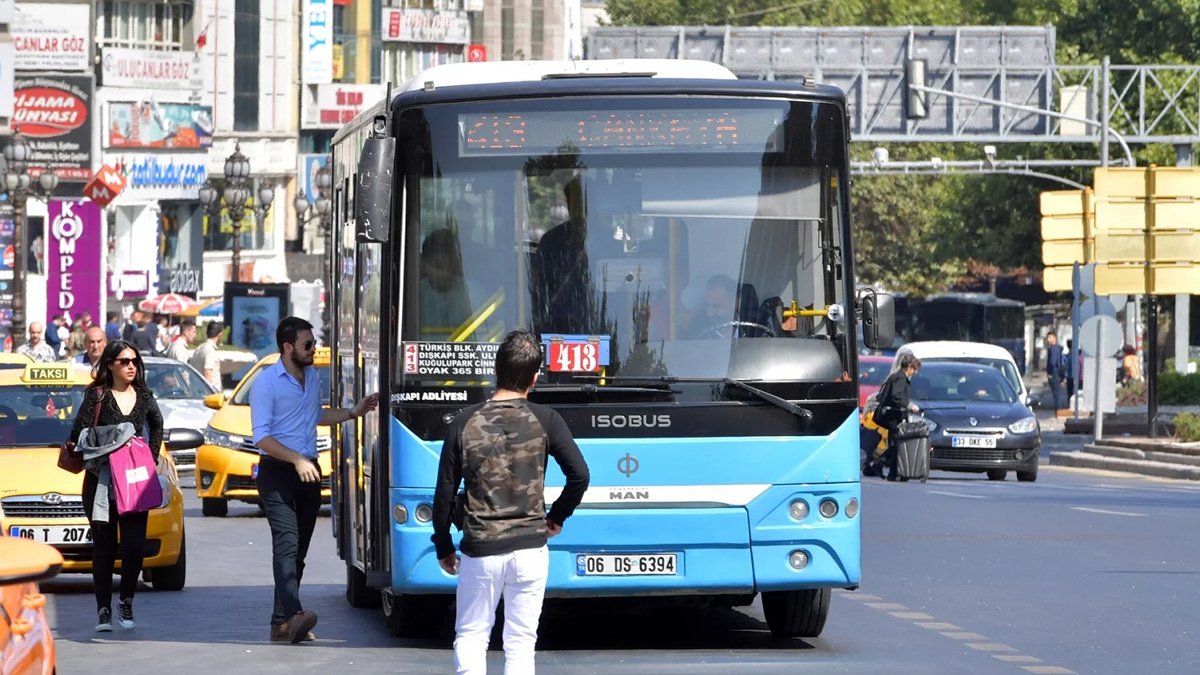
(291, 506)
(132, 536)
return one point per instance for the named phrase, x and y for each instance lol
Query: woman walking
(119, 391)
(894, 406)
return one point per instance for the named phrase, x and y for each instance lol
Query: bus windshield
(685, 238)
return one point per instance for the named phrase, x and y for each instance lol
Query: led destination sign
(678, 130)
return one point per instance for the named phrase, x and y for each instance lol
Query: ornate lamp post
(233, 198)
(321, 211)
(19, 187)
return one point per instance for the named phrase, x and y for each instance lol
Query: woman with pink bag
(117, 397)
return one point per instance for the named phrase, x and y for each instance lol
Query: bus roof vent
(493, 72)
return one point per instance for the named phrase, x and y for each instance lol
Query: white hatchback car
(978, 353)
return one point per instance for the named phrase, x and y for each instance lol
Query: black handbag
(884, 415)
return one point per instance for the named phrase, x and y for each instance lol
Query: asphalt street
(1078, 572)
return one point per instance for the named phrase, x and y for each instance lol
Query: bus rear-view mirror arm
(877, 312)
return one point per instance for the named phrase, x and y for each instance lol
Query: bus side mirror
(373, 193)
(878, 320)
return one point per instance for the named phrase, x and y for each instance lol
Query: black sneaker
(125, 614)
(104, 620)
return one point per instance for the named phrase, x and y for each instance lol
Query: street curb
(1091, 460)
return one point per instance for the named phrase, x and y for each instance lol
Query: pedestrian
(1055, 377)
(894, 406)
(206, 359)
(119, 389)
(1131, 366)
(77, 340)
(285, 411)
(96, 342)
(498, 449)
(53, 337)
(180, 348)
(112, 329)
(145, 334)
(162, 337)
(36, 348)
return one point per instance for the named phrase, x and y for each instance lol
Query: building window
(145, 24)
(506, 30)
(537, 29)
(245, 65)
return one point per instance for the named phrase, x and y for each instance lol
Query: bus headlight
(798, 509)
(828, 508)
(1025, 426)
(798, 559)
(423, 513)
(400, 514)
(852, 508)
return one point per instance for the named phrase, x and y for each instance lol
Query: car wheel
(174, 577)
(997, 474)
(214, 506)
(793, 614)
(1027, 476)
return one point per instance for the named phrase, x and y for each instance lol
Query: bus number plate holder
(635, 564)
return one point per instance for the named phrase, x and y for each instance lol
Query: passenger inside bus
(445, 301)
(562, 283)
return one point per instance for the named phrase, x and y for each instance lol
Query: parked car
(26, 642)
(975, 353)
(180, 391)
(227, 463)
(872, 371)
(40, 501)
(976, 421)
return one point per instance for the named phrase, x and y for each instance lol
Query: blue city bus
(971, 317)
(680, 241)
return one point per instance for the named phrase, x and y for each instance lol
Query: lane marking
(990, 647)
(912, 616)
(886, 606)
(859, 596)
(961, 635)
(937, 625)
(1016, 658)
(1049, 670)
(1106, 512)
(956, 494)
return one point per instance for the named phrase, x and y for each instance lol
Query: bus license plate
(654, 564)
(81, 534)
(973, 441)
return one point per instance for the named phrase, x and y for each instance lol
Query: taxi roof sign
(48, 373)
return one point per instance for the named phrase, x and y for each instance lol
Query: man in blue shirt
(285, 411)
(1055, 367)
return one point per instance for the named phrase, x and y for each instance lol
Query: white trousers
(520, 578)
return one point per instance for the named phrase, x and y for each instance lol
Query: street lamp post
(19, 187)
(233, 198)
(320, 208)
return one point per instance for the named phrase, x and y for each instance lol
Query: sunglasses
(124, 363)
(307, 345)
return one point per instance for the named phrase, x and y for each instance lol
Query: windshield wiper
(804, 414)
(588, 388)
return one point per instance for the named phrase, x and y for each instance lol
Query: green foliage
(1187, 427)
(1176, 389)
(1132, 394)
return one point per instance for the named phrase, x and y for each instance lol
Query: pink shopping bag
(135, 477)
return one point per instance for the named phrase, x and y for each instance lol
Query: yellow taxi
(227, 463)
(43, 503)
(26, 643)
(14, 361)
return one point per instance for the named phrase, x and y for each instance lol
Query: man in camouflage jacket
(499, 448)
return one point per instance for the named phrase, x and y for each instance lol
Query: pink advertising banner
(75, 282)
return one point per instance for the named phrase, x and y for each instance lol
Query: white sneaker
(104, 620)
(125, 615)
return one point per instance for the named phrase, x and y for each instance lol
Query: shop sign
(425, 25)
(329, 106)
(184, 280)
(317, 42)
(161, 176)
(143, 68)
(129, 284)
(74, 259)
(54, 114)
(51, 36)
(150, 124)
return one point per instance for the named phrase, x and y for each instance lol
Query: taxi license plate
(973, 441)
(79, 534)
(639, 564)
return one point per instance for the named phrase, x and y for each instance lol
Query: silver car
(180, 390)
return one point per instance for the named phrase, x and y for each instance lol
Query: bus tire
(358, 594)
(413, 615)
(997, 474)
(214, 507)
(792, 614)
(1027, 476)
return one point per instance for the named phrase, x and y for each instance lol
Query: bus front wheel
(792, 614)
(413, 615)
